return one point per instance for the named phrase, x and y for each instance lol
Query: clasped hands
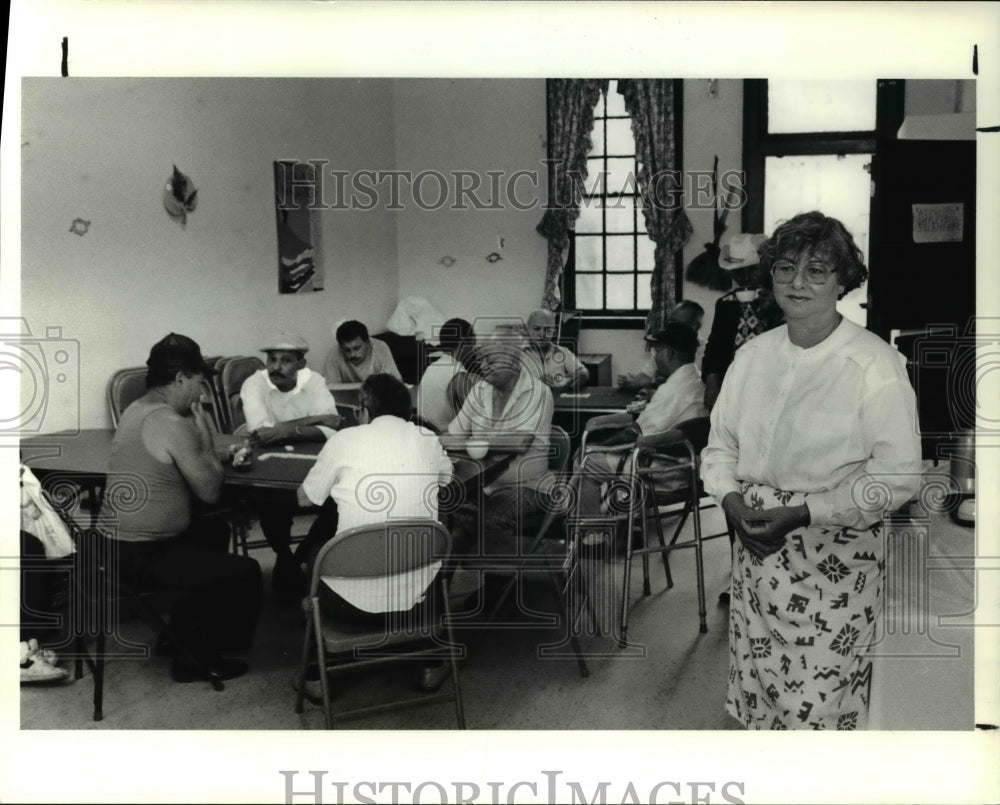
(763, 531)
(286, 431)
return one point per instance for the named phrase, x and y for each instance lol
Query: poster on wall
(937, 223)
(300, 268)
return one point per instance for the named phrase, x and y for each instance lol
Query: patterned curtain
(571, 119)
(650, 103)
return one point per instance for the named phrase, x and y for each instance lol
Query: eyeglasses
(816, 273)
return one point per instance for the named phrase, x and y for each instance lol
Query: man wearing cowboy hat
(286, 402)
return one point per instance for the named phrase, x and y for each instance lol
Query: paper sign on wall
(937, 223)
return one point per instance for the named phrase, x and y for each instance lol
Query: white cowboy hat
(741, 251)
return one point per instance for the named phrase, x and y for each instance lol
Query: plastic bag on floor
(41, 520)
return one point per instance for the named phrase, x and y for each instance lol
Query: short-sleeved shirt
(265, 405)
(680, 397)
(529, 410)
(339, 370)
(387, 469)
(556, 366)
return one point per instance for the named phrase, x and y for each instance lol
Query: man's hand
(763, 531)
(270, 435)
(202, 426)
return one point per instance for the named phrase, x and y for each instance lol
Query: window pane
(621, 214)
(643, 293)
(588, 253)
(621, 252)
(616, 103)
(620, 291)
(620, 142)
(620, 176)
(596, 181)
(645, 250)
(589, 293)
(839, 186)
(795, 106)
(590, 217)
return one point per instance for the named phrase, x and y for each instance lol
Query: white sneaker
(35, 669)
(46, 654)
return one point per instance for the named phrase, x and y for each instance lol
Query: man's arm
(255, 411)
(189, 443)
(303, 429)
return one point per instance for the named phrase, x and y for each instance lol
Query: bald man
(557, 366)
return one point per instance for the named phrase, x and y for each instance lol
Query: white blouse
(837, 420)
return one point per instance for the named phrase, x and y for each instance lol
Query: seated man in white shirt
(680, 397)
(286, 402)
(447, 381)
(354, 468)
(357, 356)
(645, 382)
(512, 408)
(557, 366)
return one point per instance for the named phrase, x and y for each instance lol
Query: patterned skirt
(800, 623)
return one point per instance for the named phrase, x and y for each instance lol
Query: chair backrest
(234, 372)
(383, 549)
(559, 450)
(125, 387)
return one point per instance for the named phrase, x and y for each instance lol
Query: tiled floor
(671, 677)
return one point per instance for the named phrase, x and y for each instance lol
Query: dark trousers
(44, 590)
(221, 604)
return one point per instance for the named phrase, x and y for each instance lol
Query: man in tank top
(163, 468)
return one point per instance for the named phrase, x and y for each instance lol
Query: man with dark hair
(163, 453)
(357, 464)
(286, 402)
(447, 381)
(357, 356)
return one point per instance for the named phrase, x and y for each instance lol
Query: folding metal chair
(552, 550)
(389, 552)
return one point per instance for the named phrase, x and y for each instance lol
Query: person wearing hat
(162, 466)
(740, 315)
(679, 397)
(286, 402)
(687, 312)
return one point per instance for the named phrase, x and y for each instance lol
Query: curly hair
(816, 235)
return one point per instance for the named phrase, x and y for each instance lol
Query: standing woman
(814, 438)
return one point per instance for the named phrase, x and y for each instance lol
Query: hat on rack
(741, 251)
(287, 342)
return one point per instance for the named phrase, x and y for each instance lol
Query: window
(809, 145)
(611, 256)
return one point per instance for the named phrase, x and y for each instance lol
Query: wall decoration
(180, 196)
(447, 261)
(493, 257)
(79, 227)
(300, 268)
(937, 223)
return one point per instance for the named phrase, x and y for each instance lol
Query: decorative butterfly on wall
(180, 196)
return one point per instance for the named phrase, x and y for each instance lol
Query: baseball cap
(176, 353)
(286, 341)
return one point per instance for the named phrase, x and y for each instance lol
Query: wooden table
(83, 458)
(573, 410)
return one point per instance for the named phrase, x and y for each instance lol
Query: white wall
(102, 149)
(473, 125)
